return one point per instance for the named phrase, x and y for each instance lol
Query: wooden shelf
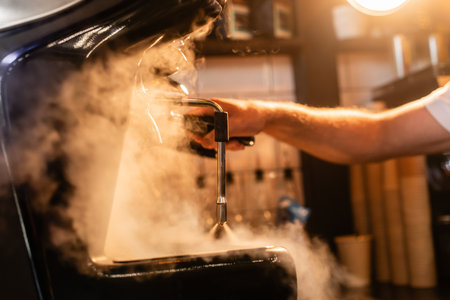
(256, 46)
(385, 43)
(365, 44)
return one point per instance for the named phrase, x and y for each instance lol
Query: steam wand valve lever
(201, 125)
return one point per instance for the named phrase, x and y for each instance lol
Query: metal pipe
(221, 208)
(402, 55)
(221, 203)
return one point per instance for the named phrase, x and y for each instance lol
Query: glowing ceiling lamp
(377, 7)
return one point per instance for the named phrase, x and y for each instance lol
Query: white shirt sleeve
(438, 104)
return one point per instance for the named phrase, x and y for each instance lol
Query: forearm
(352, 136)
(337, 135)
(334, 134)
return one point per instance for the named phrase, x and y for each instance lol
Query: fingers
(208, 142)
(202, 111)
(235, 145)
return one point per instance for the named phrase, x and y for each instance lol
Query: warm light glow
(377, 7)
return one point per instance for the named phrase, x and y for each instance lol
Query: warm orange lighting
(377, 7)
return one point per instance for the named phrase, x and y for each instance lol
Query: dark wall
(326, 185)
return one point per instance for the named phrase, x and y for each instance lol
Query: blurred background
(330, 54)
(387, 222)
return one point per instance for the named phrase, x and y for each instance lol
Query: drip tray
(266, 273)
(220, 251)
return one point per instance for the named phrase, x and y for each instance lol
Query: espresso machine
(37, 57)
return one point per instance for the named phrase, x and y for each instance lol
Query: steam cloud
(131, 195)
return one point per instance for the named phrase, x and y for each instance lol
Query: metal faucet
(221, 137)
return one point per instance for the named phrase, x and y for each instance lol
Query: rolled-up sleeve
(438, 104)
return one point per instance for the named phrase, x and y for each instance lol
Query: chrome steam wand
(221, 137)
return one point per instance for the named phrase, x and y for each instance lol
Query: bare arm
(350, 136)
(339, 135)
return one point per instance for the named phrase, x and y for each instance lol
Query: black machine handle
(202, 124)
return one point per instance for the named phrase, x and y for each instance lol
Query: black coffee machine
(37, 55)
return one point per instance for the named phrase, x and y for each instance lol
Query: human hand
(243, 121)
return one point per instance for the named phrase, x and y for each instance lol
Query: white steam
(135, 197)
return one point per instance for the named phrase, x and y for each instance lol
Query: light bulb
(377, 7)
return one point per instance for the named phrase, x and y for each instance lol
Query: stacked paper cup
(417, 215)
